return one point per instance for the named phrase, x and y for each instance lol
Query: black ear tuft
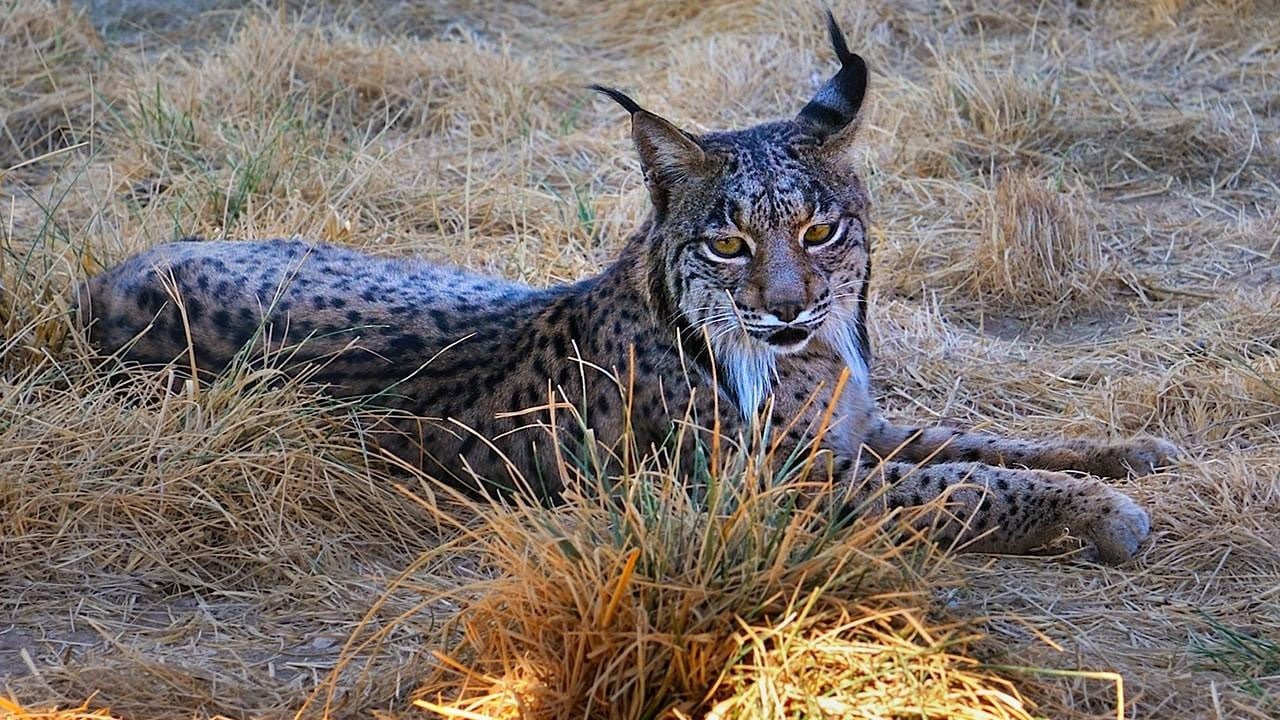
(836, 104)
(837, 39)
(619, 97)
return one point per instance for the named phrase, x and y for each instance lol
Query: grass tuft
(1037, 247)
(654, 601)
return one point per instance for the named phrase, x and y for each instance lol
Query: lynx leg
(1140, 456)
(1004, 510)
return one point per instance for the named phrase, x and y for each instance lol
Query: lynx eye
(729, 246)
(818, 234)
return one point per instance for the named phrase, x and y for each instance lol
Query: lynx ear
(667, 153)
(835, 108)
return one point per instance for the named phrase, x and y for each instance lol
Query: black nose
(787, 311)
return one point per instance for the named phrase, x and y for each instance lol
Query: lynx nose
(787, 310)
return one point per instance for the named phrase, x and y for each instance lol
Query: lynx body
(741, 299)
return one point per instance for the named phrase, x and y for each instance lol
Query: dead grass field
(1076, 234)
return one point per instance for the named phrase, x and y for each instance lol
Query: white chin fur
(748, 366)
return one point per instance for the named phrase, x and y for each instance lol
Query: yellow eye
(818, 234)
(729, 246)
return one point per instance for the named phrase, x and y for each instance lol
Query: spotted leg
(1140, 456)
(1006, 510)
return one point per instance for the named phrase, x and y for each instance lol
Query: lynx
(740, 303)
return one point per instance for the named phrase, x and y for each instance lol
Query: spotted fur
(739, 302)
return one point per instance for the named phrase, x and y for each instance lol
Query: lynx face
(759, 235)
(779, 252)
(770, 254)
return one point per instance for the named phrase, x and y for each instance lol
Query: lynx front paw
(1118, 532)
(1140, 456)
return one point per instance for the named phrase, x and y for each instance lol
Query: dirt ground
(1076, 234)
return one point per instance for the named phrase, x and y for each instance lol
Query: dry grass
(239, 482)
(13, 710)
(45, 85)
(1039, 247)
(740, 603)
(1075, 235)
